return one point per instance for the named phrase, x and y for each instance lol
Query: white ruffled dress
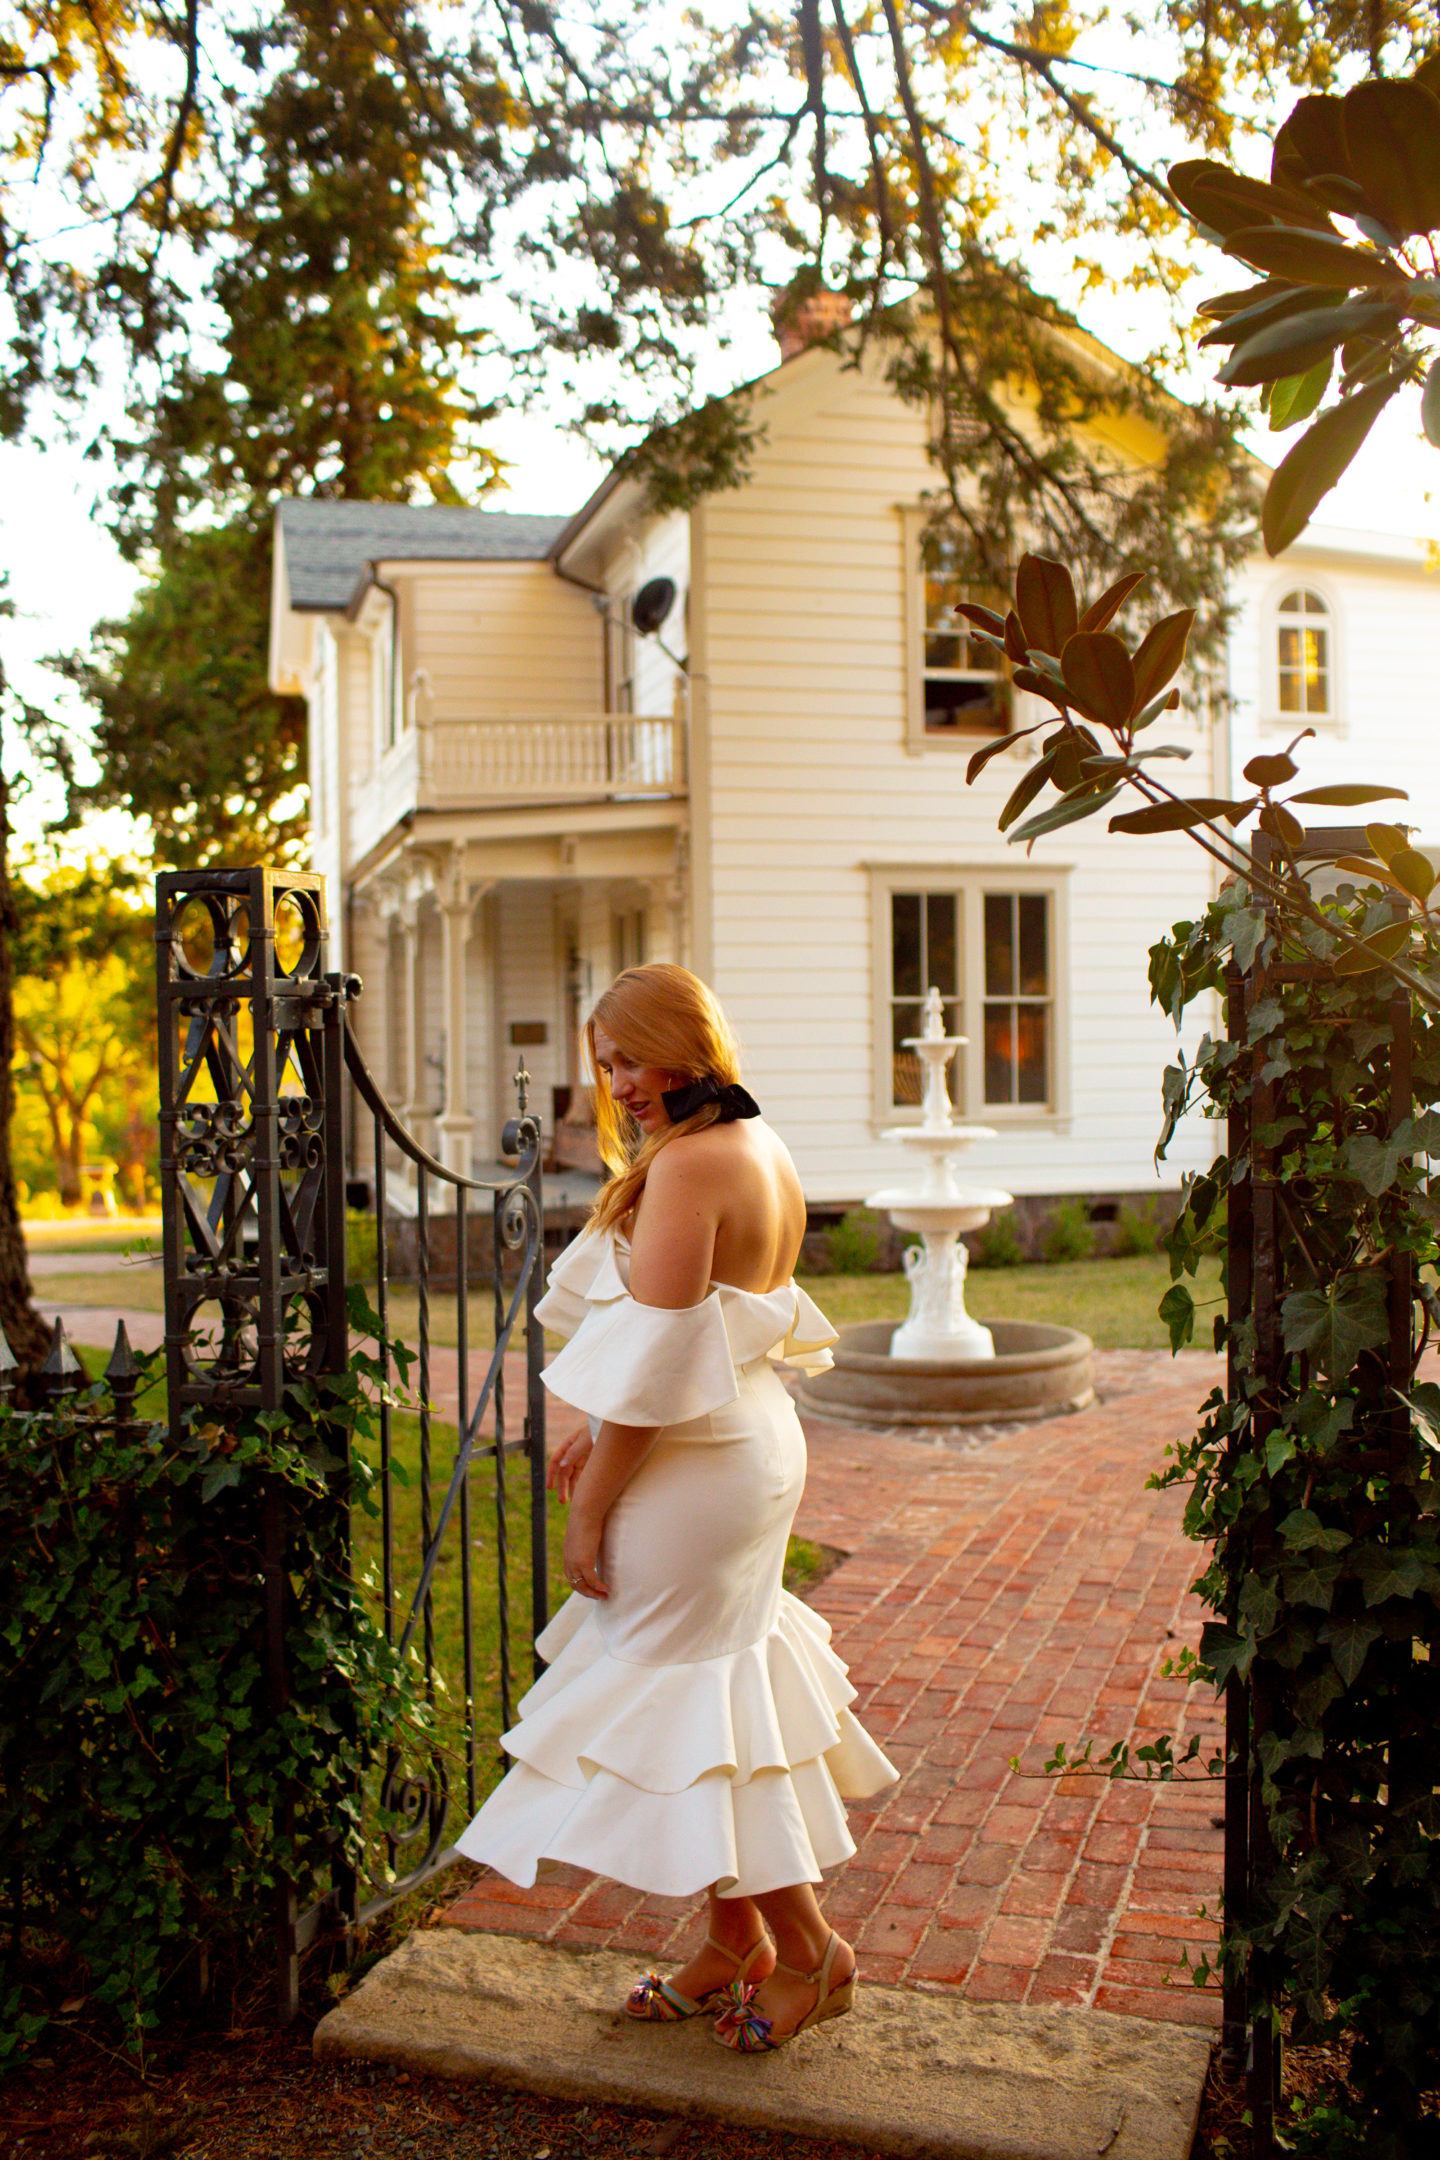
(692, 1728)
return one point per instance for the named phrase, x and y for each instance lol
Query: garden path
(998, 1595)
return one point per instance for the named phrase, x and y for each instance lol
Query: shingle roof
(327, 544)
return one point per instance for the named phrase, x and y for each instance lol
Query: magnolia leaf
(1281, 825)
(1311, 143)
(1014, 636)
(1280, 299)
(1229, 303)
(1375, 872)
(1309, 470)
(1166, 702)
(1045, 602)
(1428, 71)
(1347, 794)
(1413, 871)
(1080, 802)
(1103, 611)
(1430, 404)
(1300, 342)
(1179, 816)
(1027, 789)
(986, 617)
(1386, 841)
(1098, 670)
(1029, 678)
(1337, 1322)
(1227, 200)
(1349, 1642)
(993, 748)
(1373, 952)
(1295, 397)
(1312, 259)
(1161, 652)
(1392, 145)
(1271, 769)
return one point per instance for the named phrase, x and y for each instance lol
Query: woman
(692, 1731)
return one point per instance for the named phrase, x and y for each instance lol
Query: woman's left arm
(670, 1260)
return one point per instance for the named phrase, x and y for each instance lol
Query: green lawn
(1113, 1301)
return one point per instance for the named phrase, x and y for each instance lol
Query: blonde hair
(661, 1015)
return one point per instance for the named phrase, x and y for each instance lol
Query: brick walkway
(997, 1597)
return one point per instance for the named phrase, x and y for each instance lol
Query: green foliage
(852, 1245)
(154, 1791)
(1069, 1233)
(1137, 1229)
(1315, 1484)
(1361, 292)
(998, 1244)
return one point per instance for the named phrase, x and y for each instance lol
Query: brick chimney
(802, 322)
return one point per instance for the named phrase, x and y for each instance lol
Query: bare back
(742, 1172)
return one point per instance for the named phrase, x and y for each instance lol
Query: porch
(483, 949)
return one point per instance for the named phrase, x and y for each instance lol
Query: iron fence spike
(60, 1358)
(123, 1365)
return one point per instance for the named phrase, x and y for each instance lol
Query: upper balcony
(454, 763)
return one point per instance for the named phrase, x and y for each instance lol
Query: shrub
(154, 1793)
(852, 1246)
(998, 1244)
(1137, 1229)
(1069, 1233)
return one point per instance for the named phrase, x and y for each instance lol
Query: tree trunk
(25, 1331)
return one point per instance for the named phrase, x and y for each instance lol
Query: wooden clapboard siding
(503, 639)
(801, 586)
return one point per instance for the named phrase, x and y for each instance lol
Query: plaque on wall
(523, 1032)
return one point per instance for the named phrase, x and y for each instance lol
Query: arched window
(1304, 655)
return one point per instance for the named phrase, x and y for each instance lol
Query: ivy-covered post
(252, 1196)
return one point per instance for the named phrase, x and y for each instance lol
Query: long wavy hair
(661, 1015)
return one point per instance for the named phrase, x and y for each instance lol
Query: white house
(522, 781)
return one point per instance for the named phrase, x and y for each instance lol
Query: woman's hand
(567, 1462)
(583, 1533)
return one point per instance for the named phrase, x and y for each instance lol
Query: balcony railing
(454, 763)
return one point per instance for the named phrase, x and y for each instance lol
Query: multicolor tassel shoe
(749, 2032)
(656, 1999)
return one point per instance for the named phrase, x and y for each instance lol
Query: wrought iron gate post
(252, 1191)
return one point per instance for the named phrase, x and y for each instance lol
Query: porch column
(405, 1074)
(677, 894)
(457, 918)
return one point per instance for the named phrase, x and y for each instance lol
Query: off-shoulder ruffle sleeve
(657, 1365)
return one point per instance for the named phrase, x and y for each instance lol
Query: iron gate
(254, 1053)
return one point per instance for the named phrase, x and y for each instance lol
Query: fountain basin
(1038, 1371)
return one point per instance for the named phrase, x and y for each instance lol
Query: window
(1304, 660)
(957, 687)
(1017, 997)
(924, 950)
(991, 942)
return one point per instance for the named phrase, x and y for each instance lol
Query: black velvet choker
(734, 1100)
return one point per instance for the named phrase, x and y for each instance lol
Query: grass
(1113, 1301)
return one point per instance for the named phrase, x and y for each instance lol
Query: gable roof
(328, 545)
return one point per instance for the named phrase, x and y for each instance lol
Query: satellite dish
(652, 604)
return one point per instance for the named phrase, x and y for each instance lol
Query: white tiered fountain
(940, 1367)
(939, 1207)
